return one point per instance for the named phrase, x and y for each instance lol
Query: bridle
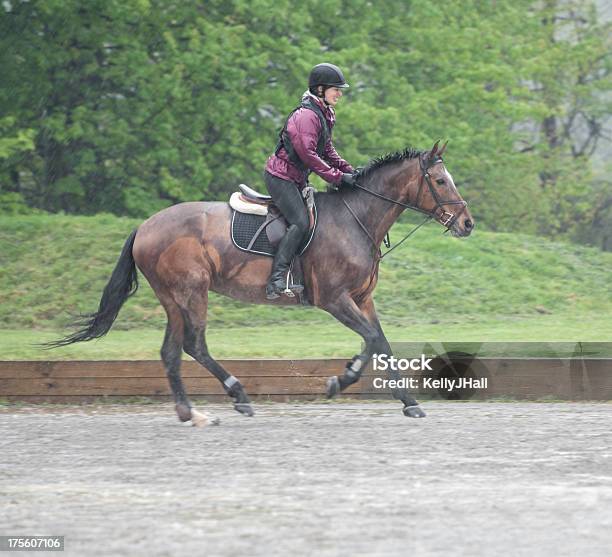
(445, 218)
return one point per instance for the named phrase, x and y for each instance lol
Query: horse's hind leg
(171, 352)
(194, 344)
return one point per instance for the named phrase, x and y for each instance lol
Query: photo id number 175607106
(31, 543)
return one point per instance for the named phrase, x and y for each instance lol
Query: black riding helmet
(328, 75)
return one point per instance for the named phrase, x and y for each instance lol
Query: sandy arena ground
(346, 479)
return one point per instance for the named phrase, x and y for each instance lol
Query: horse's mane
(383, 160)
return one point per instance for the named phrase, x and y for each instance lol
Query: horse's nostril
(468, 224)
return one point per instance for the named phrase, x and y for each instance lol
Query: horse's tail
(122, 284)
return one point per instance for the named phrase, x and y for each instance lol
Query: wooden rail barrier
(76, 381)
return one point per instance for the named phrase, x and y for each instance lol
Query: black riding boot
(277, 284)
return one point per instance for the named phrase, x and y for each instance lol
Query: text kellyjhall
(443, 383)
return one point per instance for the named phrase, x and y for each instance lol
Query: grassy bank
(325, 339)
(488, 287)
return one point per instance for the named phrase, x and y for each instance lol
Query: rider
(304, 145)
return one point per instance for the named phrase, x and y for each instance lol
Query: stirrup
(287, 291)
(292, 289)
(276, 289)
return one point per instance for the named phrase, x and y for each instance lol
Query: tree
(130, 107)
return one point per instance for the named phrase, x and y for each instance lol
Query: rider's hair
(315, 90)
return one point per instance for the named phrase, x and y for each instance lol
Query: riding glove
(348, 180)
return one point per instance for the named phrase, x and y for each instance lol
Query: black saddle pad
(244, 227)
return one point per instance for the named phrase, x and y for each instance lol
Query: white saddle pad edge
(244, 207)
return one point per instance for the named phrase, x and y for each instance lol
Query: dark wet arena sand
(346, 479)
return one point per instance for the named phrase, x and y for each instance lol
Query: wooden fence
(75, 381)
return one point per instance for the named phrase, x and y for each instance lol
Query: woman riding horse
(186, 251)
(304, 146)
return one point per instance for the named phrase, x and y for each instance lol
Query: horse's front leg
(411, 406)
(363, 320)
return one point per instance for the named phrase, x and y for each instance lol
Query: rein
(386, 240)
(447, 219)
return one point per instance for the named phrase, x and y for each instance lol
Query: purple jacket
(303, 128)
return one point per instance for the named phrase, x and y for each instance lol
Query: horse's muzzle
(462, 227)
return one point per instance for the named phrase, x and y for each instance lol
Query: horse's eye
(440, 181)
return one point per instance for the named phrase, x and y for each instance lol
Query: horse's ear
(441, 151)
(433, 153)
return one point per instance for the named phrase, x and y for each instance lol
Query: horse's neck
(378, 215)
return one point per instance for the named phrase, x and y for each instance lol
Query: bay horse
(185, 251)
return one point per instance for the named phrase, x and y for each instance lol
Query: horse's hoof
(184, 412)
(244, 408)
(333, 387)
(413, 412)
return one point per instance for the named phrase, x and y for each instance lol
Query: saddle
(257, 224)
(258, 227)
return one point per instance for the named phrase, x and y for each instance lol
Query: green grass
(491, 286)
(329, 339)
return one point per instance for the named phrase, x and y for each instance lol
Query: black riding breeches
(288, 199)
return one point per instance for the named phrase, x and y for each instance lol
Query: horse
(185, 251)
